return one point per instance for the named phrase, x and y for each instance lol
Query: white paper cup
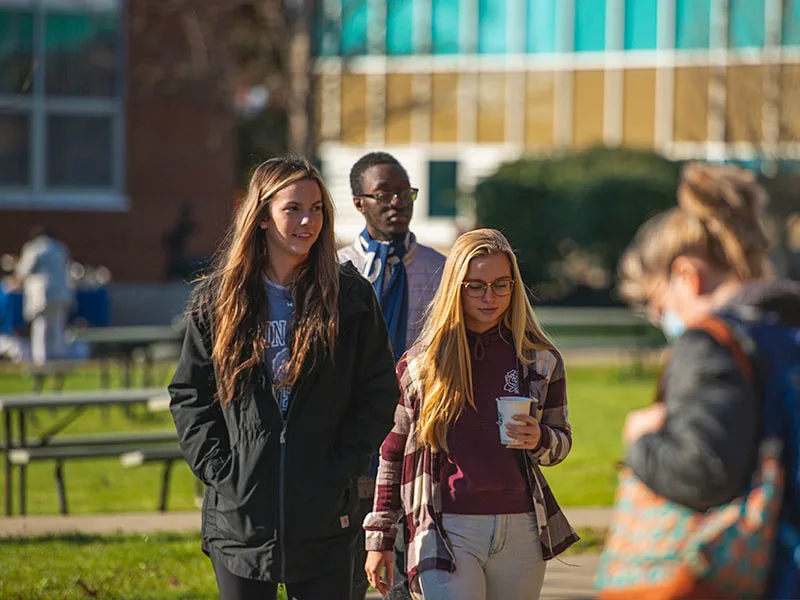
(507, 407)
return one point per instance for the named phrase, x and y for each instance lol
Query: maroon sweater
(480, 476)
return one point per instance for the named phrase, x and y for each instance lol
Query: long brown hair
(443, 367)
(234, 291)
(719, 219)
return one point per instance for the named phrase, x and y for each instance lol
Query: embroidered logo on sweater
(512, 382)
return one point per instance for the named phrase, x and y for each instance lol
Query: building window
(354, 28)
(444, 37)
(640, 24)
(399, 26)
(590, 25)
(61, 107)
(790, 35)
(542, 26)
(443, 188)
(15, 146)
(492, 27)
(692, 23)
(746, 23)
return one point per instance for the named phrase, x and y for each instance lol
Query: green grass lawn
(99, 485)
(163, 567)
(171, 566)
(599, 398)
(141, 567)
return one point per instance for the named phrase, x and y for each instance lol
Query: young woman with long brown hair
(284, 388)
(480, 517)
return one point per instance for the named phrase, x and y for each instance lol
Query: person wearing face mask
(480, 518)
(284, 389)
(709, 255)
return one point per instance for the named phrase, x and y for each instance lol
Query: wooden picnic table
(19, 404)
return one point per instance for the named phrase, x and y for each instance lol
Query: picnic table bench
(167, 456)
(20, 449)
(111, 447)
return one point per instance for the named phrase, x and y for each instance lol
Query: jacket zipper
(282, 497)
(282, 479)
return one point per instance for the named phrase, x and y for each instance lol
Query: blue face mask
(672, 325)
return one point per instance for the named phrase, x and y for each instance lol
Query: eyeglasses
(406, 196)
(476, 289)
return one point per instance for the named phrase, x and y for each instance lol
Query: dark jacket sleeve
(707, 451)
(198, 416)
(375, 392)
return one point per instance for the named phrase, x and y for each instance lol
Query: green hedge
(562, 212)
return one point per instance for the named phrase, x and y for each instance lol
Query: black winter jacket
(707, 451)
(281, 499)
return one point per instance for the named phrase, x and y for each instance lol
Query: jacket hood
(781, 298)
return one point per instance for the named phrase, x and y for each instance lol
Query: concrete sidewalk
(126, 523)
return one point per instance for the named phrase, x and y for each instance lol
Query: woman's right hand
(377, 561)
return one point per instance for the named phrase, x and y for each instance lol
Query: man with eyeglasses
(405, 276)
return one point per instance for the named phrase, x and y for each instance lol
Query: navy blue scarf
(393, 295)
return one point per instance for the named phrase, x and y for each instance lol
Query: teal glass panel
(399, 26)
(746, 23)
(590, 25)
(692, 24)
(442, 188)
(353, 40)
(640, 24)
(444, 37)
(790, 34)
(492, 27)
(542, 26)
(325, 33)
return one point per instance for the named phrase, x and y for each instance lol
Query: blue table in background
(91, 305)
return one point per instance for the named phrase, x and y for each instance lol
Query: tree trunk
(300, 108)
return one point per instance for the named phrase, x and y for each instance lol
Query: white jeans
(47, 334)
(498, 557)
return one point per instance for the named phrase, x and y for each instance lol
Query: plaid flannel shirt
(408, 475)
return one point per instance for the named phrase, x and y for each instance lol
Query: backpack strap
(723, 334)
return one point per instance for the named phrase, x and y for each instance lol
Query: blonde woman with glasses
(284, 389)
(480, 518)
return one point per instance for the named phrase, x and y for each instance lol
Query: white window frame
(37, 105)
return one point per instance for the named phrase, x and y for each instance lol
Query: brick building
(112, 115)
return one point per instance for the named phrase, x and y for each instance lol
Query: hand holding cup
(526, 432)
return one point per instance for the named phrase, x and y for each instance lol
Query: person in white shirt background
(47, 293)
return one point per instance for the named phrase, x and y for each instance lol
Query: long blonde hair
(235, 293)
(442, 367)
(719, 219)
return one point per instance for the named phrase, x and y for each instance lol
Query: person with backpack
(284, 389)
(708, 258)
